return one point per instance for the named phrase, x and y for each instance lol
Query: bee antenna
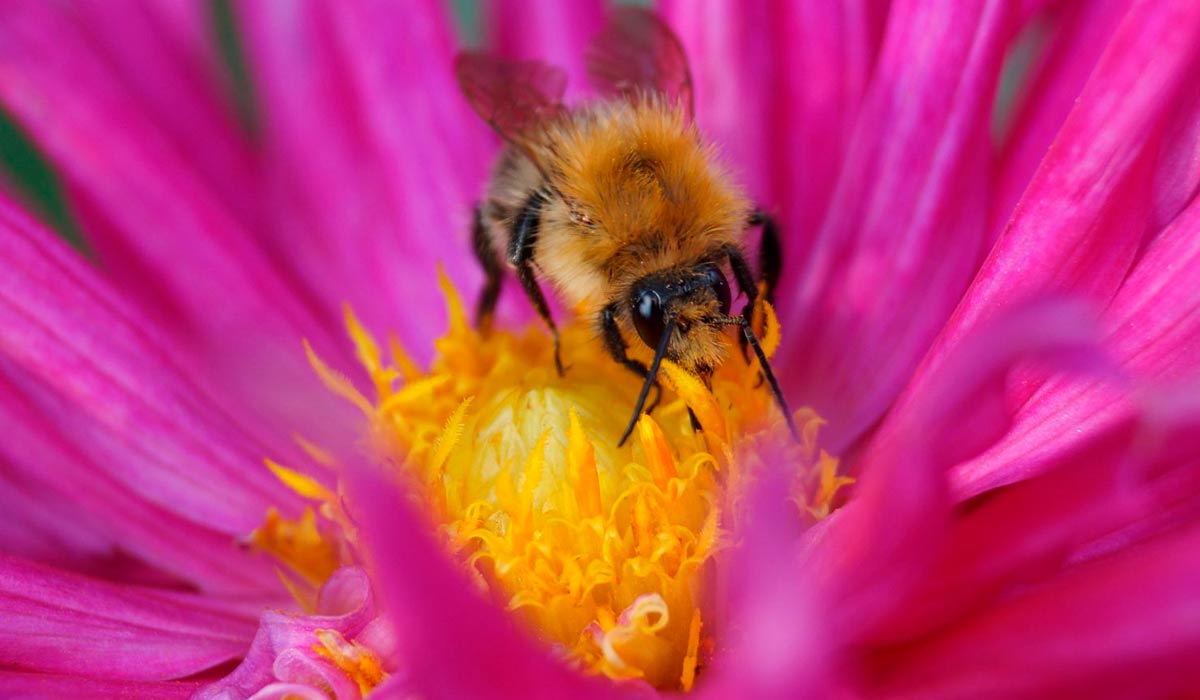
(650, 377)
(766, 369)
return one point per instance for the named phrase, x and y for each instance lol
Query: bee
(619, 204)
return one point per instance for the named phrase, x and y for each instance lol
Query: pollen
(605, 553)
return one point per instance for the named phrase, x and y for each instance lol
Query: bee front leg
(746, 283)
(615, 344)
(493, 273)
(534, 292)
(520, 254)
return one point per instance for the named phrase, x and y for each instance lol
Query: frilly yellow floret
(603, 550)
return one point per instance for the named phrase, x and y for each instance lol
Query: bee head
(686, 300)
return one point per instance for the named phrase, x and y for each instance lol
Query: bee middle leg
(615, 344)
(493, 273)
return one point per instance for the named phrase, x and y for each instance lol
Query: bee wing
(515, 97)
(637, 53)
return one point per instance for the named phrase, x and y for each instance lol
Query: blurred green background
(38, 185)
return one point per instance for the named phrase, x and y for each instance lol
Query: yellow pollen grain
(603, 551)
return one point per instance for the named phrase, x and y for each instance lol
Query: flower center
(604, 551)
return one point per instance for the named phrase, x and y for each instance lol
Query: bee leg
(520, 254)
(770, 265)
(615, 344)
(534, 292)
(746, 283)
(493, 272)
(770, 253)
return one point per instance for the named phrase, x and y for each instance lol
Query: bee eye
(648, 317)
(717, 282)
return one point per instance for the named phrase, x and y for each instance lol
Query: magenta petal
(159, 55)
(59, 489)
(907, 222)
(1125, 626)
(112, 388)
(1128, 483)
(467, 647)
(34, 526)
(1078, 34)
(884, 540)
(1083, 217)
(1018, 535)
(774, 639)
(157, 227)
(56, 622)
(1152, 329)
(282, 656)
(376, 206)
(42, 686)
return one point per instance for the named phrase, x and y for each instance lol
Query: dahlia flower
(254, 447)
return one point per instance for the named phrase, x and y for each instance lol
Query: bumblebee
(618, 203)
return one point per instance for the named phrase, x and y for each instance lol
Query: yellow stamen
(319, 454)
(581, 457)
(658, 452)
(299, 544)
(688, 677)
(604, 551)
(336, 382)
(359, 663)
(302, 484)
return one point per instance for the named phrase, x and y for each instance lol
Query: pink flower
(1001, 328)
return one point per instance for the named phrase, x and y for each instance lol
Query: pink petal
(1078, 34)
(1124, 626)
(62, 489)
(467, 647)
(1153, 331)
(778, 87)
(33, 526)
(56, 622)
(36, 686)
(157, 227)
(546, 30)
(161, 56)
(1131, 482)
(376, 207)
(1083, 217)
(157, 440)
(908, 217)
(1177, 175)
(282, 657)
(884, 540)
(773, 639)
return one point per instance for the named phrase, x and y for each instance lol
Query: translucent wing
(637, 53)
(513, 96)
